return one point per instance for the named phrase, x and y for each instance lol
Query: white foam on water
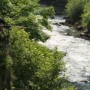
(78, 52)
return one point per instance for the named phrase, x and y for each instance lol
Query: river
(78, 53)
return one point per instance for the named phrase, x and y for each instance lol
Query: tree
(74, 9)
(28, 15)
(21, 13)
(34, 66)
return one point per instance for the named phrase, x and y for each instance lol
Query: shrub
(28, 15)
(46, 12)
(35, 67)
(74, 9)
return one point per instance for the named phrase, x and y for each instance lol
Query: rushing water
(78, 53)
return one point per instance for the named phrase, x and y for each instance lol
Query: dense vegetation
(29, 15)
(35, 67)
(24, 64)
(75, 9)
(78, 10)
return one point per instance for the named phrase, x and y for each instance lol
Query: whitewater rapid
(78, 53)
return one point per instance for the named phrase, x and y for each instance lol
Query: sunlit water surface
(78, 53)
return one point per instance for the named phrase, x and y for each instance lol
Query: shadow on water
(81, 85)
(72, 32)
(76, 33)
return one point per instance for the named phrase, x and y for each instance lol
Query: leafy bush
(33, 25)
(46, 11)
(74, 9)
(86, 16)
(28, 15)
(35, 66)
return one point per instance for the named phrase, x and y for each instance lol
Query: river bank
(78, 30)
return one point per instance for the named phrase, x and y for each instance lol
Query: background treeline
(58, 2)
(59, 5)
(28, 65)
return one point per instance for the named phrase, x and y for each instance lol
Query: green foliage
(86, 16)
(74, 9)
(35, 66)
(33, 25)
(79, 9)
(4, 8)
(46, 12)
(24, 13)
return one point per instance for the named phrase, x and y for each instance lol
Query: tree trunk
(5, 70)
